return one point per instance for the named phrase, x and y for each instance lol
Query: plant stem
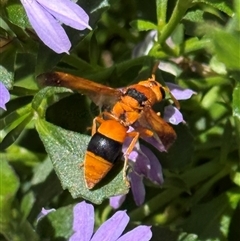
(161, 13)
(178, 12)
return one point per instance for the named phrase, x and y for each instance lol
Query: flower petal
(47, 27)
(173, 115)
(141, 163)
(111, 229)
(140, 233)
(77, 237)
(180, 93)
(138, 160)
(169, 68)
(67, 12)
(83, 222)
(155, 172)
(138, 189)
(156, 142)
(117, 201)
(44, 212)
(145, 46)
(4, 96)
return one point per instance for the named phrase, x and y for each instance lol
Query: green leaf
(194, 16)
(180, 154)
(13, 116)
(228, 53)
(235, 177)
(21, 91)
(211, 103)
(217, 66)
(12, 135)
(212, 219)
(194, 44)
(220, 5)
(19, 154)
(8, 188)
(17, 15)
(15, 28)
(226, 145)
(188, 237)
(60, 222)
(67, 150)
(178, 34)
(27, 204)
(79, 66)
(41, 172)
(236, 101)
(237, 11)
(42, 99)
(142, 25)
(94, 51)
(7, 62)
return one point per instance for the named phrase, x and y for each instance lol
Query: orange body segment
(95, 169)
(113, 130)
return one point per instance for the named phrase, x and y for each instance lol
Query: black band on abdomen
(109, 149)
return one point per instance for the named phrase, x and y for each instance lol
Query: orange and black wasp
(121, 109)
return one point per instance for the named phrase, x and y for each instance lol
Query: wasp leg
(96, 121)
(144, 132)
(135, 136)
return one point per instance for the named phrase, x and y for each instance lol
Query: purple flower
(143, 163)
(44, 212)
(4, 96)
(117, 201)
(171, 113)
(180, 93)
(110, 230)
(46, 17)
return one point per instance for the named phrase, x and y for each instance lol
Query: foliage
(197, 43)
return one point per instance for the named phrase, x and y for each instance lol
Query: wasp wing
(100, 94)
(158, 125)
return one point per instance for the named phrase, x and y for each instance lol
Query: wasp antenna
(176, 102)
(155, 68)
(153, 77)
